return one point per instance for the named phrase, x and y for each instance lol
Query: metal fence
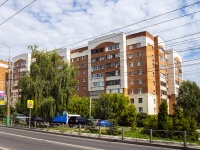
(180, 138)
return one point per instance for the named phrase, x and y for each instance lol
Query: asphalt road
(16, 139)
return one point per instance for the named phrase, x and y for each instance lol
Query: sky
(63, 23)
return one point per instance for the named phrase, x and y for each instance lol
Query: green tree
(189, 99)
(50, 83)
(164, 121)
(115, 106)
(181, 123)
(151, 122)
(141, 119)
(79, 105)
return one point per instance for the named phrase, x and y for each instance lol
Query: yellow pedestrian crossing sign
(30, 104)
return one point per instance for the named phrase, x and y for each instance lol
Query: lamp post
(8, 89)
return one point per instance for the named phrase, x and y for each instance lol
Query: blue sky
(55, 24)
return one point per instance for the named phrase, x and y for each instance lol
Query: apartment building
(20, 65)
(136, 65)
(3, 80)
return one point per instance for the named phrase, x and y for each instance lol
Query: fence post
(122, 133)
(47, 127)
(62, 128)
(151, 136)
(99, 131)
(79, 133)
(184, 139)
(35, 124)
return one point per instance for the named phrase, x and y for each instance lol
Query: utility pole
(90, 107)
(8, 88)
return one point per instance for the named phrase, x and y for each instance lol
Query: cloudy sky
(60, 23)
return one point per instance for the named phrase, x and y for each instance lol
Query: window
(84, 80)
(83, 72)
(98, 75)
(138, 45)
(84, 65)
(131, 64)
(130, 56)
(113, 47)
(131, 91)
(112, 82)
(132, 82)
(154, 110)
(140, 109)
(131, 73)
(162, 59)
(139, 81)
(139, 100)
(97, 59)
(132, 100)
(94, 51)
(162, 75)
(77, 58)
(130, 46)
(78, 73)
(161, 50)
(96, 84)
(112, 65)
(78, 81)
(154, 101)
(83, 87)
(98, 67)
(139, 54)
(140, 91)
(112, 73)
(83, 57)
(139, 63)
(140, 72)
(72, 60)
(77, 88)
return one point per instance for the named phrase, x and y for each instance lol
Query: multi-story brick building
(137, 65)
(3, 78)
(20, 64)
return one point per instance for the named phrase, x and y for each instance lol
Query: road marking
(71, 145)
(2, 148)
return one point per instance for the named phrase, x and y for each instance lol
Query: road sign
(2, 102)
(30, 104)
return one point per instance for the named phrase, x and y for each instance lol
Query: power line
(133, 24)
(3, 3)
(17, 13)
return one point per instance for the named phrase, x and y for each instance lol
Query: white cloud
(55, 24)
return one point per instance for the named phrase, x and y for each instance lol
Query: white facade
(172, 86)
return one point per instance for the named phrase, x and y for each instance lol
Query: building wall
(3, 76)
(136, 65)
(20, 65)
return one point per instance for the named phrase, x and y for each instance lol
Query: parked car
(36, 119)
(104, 123)
(76, 120)
(21, 117)
(96, 121)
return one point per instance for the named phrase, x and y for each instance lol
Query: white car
(21, 117)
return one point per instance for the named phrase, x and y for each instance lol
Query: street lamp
(8, 89)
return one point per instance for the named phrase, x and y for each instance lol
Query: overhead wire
(3, 3)
(17, 12)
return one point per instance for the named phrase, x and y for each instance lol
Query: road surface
(16, 139)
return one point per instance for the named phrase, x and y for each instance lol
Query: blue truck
(63, 117)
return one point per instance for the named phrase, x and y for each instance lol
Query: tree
(189, 99)
(164, 121)
(141, 119)
(50, 83)
(79, 105)
(115, 106)
(181, 123)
